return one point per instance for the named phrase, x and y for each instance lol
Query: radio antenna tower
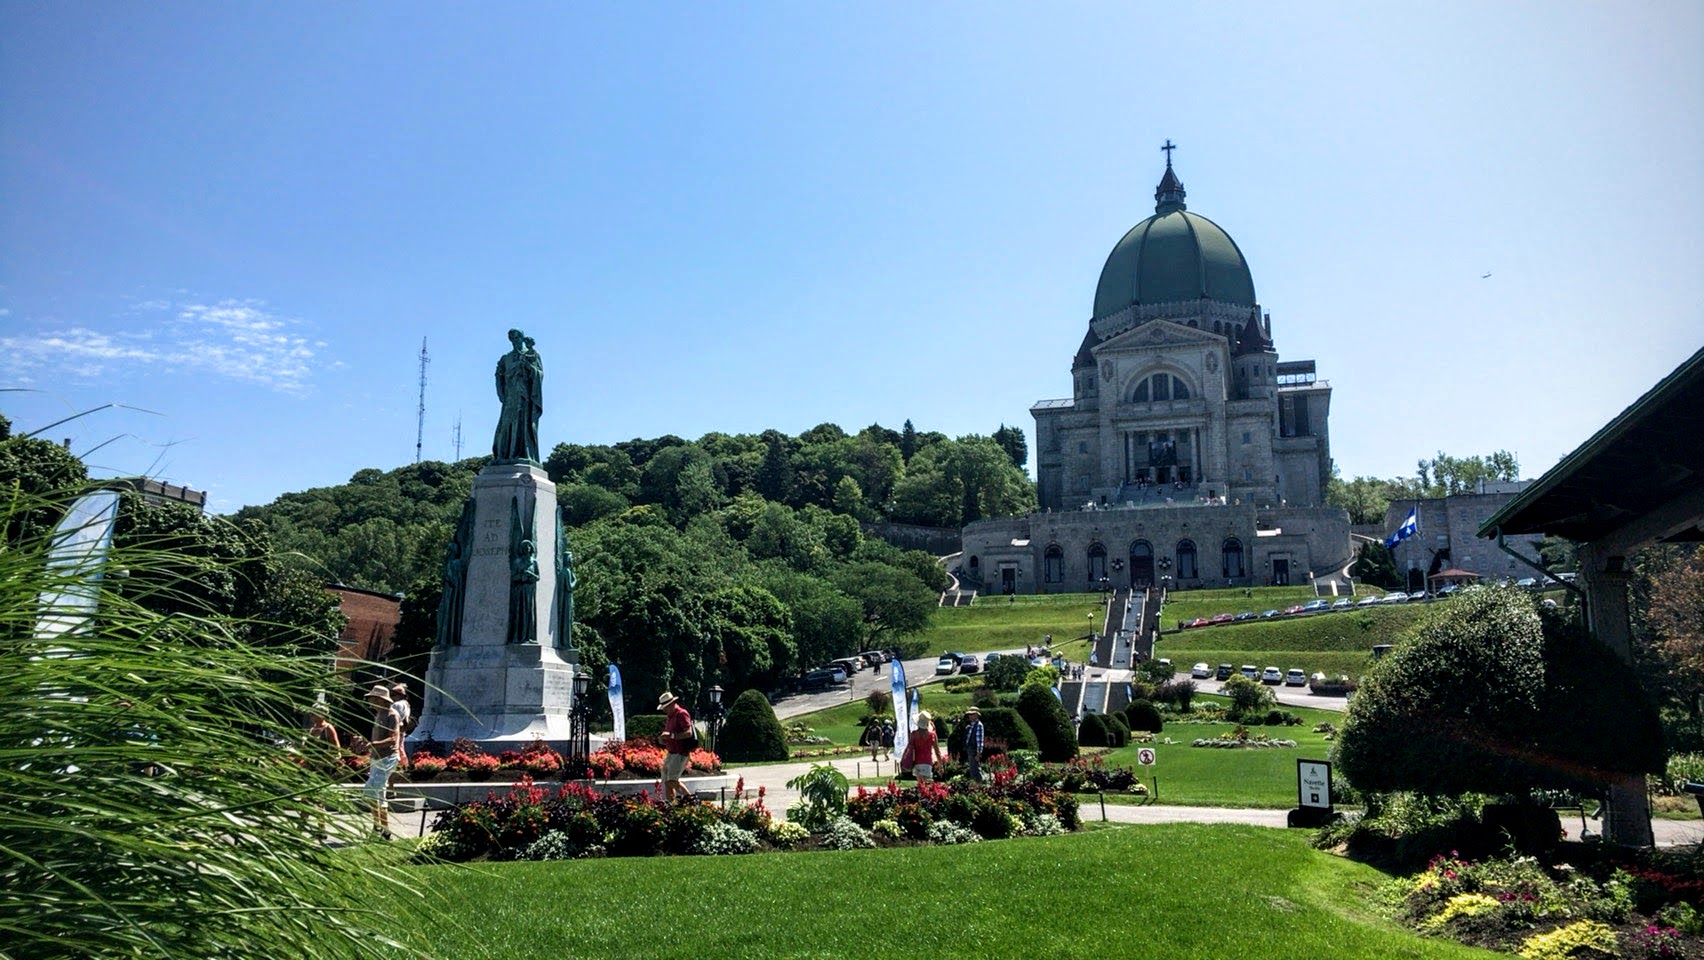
(420, 415)
(458, 437)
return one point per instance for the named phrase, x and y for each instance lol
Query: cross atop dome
(1168, 196)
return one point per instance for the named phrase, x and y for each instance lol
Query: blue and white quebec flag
(1409, 528)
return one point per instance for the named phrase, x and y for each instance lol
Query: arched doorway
(1186, 560)
(1097, 565)
(1141, 564)
(1233, 559)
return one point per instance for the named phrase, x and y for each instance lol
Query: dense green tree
(775, 476)
(748, 636)
(1006, 673)
(907, 442)
(751, 733)
(584, 502)
(826, 623)
(895, 602)
(1365, 498)
(1092, 732)
(1489, 698)
(1374, 565)
(38, 471)
(1011, 440)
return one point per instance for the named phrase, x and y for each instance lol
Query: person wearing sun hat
(924, 749)
(973, 743)
(382, 760)
(677, 742)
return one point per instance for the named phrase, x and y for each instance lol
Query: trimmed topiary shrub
(1092, 731)
(645, 726)
(752, 732)
(1055, 740)
(1000, 725)
(1143, 715)
(1118, 732)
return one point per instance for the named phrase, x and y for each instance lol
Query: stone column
(503, 694)
(1627, 814)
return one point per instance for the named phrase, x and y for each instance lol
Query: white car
(1368, 600)
(1295, 678)
(945, 666)
(1272, 675)
(1201, 671)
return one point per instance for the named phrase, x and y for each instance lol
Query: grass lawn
(1165, 891)
(1005, 623)
(841, 725)
(1210, 777)
(1333, 643)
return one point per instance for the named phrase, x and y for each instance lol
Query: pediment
(1158, 335)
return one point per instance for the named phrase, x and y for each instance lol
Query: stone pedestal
(486, 688)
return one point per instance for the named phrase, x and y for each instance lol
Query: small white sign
(1313, 784)
(1145, 756)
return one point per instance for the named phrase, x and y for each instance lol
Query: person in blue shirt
(973, 742)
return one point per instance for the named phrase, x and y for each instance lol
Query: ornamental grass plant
(152, 801)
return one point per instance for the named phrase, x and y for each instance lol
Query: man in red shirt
(678, 742)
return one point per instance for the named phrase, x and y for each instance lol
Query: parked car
(849, 664)
(1251, 671)
(1224, 672)
(1418, 595)
(1197, 622)
(820, 679)
(1271, 675)
(1527, 583)
(1342, 603)
(1398, 597)
(1296, 610)
(1165, 665)
(1221, 618)
(1367, 601)
(945, 666)
(1295, 678)
(1245, 615)
(1314, 606)
(1200, 671)
(969, 664)
(1270, 614)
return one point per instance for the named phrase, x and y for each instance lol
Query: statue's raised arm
(520, 388)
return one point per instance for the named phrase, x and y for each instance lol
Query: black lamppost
(715, 715)
(579, 727)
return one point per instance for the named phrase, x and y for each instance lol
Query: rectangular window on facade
(1247, 437)
(1186, 565)
(1054, 569)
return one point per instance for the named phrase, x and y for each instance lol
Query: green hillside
(1002, 623)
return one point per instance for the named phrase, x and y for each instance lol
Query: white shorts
(923, 771)
(378, 776)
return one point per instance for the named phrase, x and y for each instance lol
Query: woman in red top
(924, 748)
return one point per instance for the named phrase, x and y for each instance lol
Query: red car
(1293, 611)
(1197, 622)
(1222, 618)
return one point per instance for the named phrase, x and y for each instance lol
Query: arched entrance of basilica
(1141, 564)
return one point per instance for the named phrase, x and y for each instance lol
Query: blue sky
(244, 218)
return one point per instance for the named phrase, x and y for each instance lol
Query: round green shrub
(1117, 730)
(1092, 732)
(999, 725)
(1056, 742)
(1144, 715)
(751, 732)
(645, 726)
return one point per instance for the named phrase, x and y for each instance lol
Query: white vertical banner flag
(617, 705)
(76, 560)
(901, 712)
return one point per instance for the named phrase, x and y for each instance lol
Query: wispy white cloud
(233, 339)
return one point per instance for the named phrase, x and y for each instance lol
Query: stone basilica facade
(1188, 453)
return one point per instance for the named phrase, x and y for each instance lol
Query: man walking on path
(973, 742)
(677, 741)
(382, 761)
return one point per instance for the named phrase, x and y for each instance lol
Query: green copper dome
(1173, 255)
